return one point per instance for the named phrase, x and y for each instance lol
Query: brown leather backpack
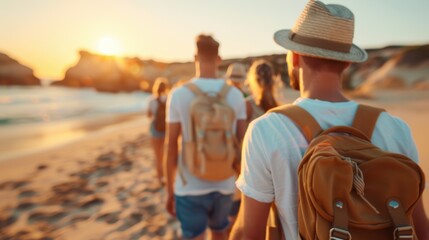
(348, 187)
(160, 116)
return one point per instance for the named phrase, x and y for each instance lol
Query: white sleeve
(237, 100)
(394, 135)
(255, 180)
(411, 149)
(173, 113)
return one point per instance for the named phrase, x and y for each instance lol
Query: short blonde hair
(160, 86)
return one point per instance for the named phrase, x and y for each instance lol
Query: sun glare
(109, 46)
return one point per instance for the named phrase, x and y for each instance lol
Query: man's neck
(323, 86)
(203, 75)
(328, 96)
(205, 70)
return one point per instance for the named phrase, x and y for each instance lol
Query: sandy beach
(104, 186)
(100, 187)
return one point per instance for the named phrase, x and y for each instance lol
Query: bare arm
(170, 162)
(251, 220)
(421, 222)
(149, 110)
(249, 111)
(240, 131)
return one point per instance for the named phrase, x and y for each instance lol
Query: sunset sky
(47, 34)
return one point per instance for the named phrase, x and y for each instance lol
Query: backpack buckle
(339, 234)
(405, 232)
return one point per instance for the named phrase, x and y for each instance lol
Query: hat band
(320, 43)
(236, 76)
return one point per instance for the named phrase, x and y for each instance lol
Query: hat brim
(356, 54)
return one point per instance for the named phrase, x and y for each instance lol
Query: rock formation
(389, 67)
(112, 74)
(392, 68)
(14, 73)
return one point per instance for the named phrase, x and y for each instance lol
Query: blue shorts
(155, 133)
(235, 207)
(195, 213)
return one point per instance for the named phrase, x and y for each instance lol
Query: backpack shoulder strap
(366, 118)
(194, 89)
(224, 90)
(305, 122)
(158, 99)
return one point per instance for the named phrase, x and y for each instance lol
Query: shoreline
(21, 140)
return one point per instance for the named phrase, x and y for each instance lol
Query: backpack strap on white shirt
(309, 127)
(366, 118)
(197, 91)
(223, 91)
(194, 89)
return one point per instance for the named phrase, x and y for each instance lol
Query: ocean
(34, 118)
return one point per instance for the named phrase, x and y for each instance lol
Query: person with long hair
(156, 113)
(261, 83)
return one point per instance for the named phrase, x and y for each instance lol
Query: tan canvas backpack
(348, 187)
(212, 149)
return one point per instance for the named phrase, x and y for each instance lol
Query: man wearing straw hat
(236, 76)
(321, 48)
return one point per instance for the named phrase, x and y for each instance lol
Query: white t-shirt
(273, 147)
(178, 105)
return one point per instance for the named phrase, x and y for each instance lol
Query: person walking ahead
(156, 113)
(200, 185)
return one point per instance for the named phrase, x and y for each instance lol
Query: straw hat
(236, 72)
(324, 31)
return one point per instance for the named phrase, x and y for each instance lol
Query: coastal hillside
(392, 67)
(14, 73)
(389, 67)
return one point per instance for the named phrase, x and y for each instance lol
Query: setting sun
(109, 46)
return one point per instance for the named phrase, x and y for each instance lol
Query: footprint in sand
(90, 202)
(11, 185)
(50, 217)
(6, 221)
(42, 167)
(80, 217)
(109, 218)
(130, 221)
(107, 157)
(26, 206)
(27, 194)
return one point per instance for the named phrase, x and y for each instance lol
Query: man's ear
(295, 59)
(195, 57)
(347, 65)
(219, 59)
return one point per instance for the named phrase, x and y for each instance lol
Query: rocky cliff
(14, 73)
(112, 74)
(392, 67)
